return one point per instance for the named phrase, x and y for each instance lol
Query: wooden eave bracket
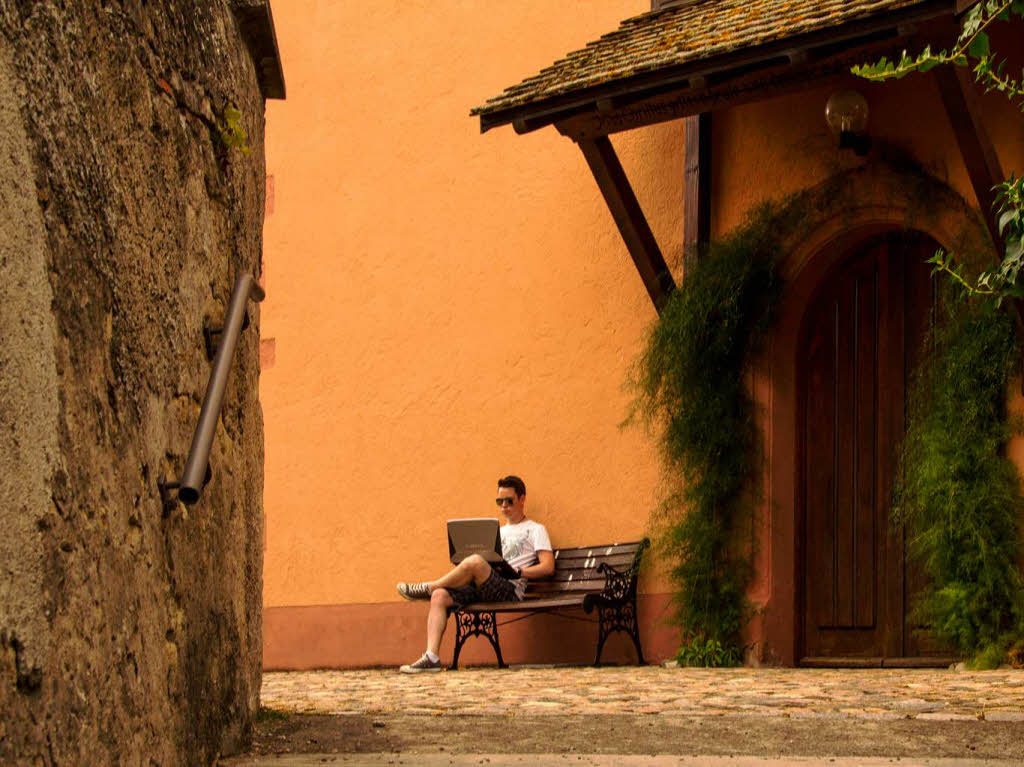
(956, 89)
(976, 149)
(256, 23)
(629, 218)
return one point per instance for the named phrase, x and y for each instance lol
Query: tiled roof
(683, 34)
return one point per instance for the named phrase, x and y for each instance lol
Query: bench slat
(599, 551)
(617, 560)
(548, 587)
(577, 574)
(527, 605)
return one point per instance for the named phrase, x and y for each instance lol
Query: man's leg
(437, 619)
(473, 569)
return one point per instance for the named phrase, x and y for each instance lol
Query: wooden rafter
(979, 155)
(625, 209)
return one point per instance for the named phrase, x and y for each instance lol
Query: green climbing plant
(690, 381)
(958, 495)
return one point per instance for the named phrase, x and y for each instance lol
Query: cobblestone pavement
(602, 760)
(923, 694)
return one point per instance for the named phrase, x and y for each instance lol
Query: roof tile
(680, 34)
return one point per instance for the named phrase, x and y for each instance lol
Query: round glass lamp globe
(847, 112)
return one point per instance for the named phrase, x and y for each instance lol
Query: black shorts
(494, 589)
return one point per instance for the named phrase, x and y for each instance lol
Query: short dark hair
(515, 483)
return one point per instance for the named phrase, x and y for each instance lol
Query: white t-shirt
(519, 546)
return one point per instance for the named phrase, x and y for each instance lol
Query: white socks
(431, 657)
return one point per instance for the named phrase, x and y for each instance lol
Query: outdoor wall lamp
(847, 115)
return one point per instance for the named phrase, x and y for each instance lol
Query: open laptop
(478, 535)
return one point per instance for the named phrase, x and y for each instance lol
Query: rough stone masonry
(130, 201)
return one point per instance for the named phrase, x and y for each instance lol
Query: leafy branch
(944, 263)
(999, 283)
(974, 46)
(973, 43)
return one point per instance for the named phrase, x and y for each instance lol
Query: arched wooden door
(862, 337)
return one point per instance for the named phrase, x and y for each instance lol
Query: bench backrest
(578, 570)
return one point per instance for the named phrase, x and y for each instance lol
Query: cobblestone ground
(922, 694)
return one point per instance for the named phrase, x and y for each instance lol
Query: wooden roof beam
(701, 95)
(256, 23)
(629, 218)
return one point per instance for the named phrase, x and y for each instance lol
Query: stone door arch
(876, 203)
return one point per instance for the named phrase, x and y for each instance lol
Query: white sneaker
(424, 664)
(414, 590)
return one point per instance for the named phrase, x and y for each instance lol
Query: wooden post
(625, 209)
(697, 187)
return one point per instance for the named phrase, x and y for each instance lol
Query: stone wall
(126, 636)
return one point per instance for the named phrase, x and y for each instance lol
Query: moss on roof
(682, 34)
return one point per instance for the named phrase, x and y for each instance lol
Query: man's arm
(545, 566)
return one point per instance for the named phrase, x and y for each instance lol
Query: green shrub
(958, 495)
(708, 652)
(690, 380)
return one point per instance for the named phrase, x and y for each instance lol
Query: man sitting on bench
(524, 545)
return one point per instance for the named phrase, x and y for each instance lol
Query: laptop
(478, 535)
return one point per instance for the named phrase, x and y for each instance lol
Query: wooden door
(862, 339)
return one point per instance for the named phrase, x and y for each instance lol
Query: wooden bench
(588, 576)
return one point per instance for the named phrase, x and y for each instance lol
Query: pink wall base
(392, 633)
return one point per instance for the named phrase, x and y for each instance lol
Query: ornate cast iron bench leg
(616, 605)
(476, 624)
(619, 618)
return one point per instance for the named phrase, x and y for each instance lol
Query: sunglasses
(504, 501)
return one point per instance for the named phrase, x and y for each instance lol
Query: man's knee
(475, 562)
(441, 597)
(478, 568)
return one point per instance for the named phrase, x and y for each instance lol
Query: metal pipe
(196, 467)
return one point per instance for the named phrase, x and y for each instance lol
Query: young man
(524, 545)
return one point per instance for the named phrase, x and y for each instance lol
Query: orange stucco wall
(444, 308)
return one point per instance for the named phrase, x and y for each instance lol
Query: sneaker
(414, 590)
(422, 665)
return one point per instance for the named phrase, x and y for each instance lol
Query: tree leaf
(979, 47)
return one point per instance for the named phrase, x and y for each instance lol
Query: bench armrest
(619, 585)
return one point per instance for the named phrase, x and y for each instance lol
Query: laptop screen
(480, 535)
